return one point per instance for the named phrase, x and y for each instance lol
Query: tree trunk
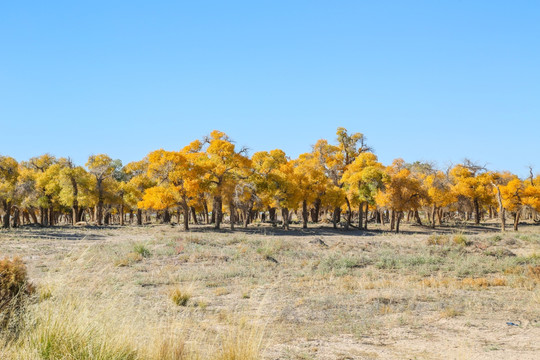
(336, 217)
(393, 220)
(285, 216)
(16, 220)
(218, 210)
(121, 214)
(501, 209)
(194, 214)
(99, 212)
(232, 211)
(205, 207)
(272, 213)
(433, 213)
(398, 220)
(75, 212)
(516, 219)
(185, 207)
(305, 214)
(246, 217)
(360, 215)
(476, 212)
(7, 213)
(316, 210)
(139, 217)
(366, 213)
(349, 214)
(417, 217)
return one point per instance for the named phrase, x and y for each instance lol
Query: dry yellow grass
(312, 302)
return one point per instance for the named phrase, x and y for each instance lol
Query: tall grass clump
(66, 330)
(243, 342)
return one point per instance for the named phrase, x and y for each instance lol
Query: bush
(142, 250)
(14, 293)
(180, 297)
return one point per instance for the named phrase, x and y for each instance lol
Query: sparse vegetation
(219, 297)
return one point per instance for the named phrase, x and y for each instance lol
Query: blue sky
(423, 80)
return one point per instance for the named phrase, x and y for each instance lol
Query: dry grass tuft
(179, 296)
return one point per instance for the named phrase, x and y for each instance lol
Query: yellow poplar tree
(221, 163)
(266, 178)
(401, 192)
(9, 173)
(439, 194)
(310, 181)
(363, 178)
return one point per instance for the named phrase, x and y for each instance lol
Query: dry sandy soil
(449, 293)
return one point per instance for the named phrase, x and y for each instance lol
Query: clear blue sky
(423, 80)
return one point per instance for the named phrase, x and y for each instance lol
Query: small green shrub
(142, 250)
(462, 240)
(340, 265)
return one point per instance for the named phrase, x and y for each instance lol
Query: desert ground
(265, 293)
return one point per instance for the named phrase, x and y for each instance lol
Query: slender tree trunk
(75, 212)
(398, 220)
(99, 212)
(316, 210)
(80, 214)
(205, 207)
(417, 217)
(285, 216)
(366, 213)
(272, 214)
(232, 211)
(194, 215)
(32, 212)
(433, 212)
(360, 215)
(393, 220)
(502, 214)
(7, 213)
(218, 210)
(16, 220)
(121, 214)
(185, 207)
(139, 217)
(336, 217)
(476, 212)
(516, 219)
(305, 214)
(246, 218)
(349, 213)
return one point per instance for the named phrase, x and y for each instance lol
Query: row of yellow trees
(344, 180)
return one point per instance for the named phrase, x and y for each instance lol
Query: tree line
(211, 180)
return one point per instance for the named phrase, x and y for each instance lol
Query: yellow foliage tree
(472, 182)
(9, 173)
(221, 165)
(401, 192)
(363, 178)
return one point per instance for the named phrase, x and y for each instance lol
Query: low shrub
(15, 290)
(179, 297)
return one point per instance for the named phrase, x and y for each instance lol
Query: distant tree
(102, 168)
(401, 192)
(9, 173)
